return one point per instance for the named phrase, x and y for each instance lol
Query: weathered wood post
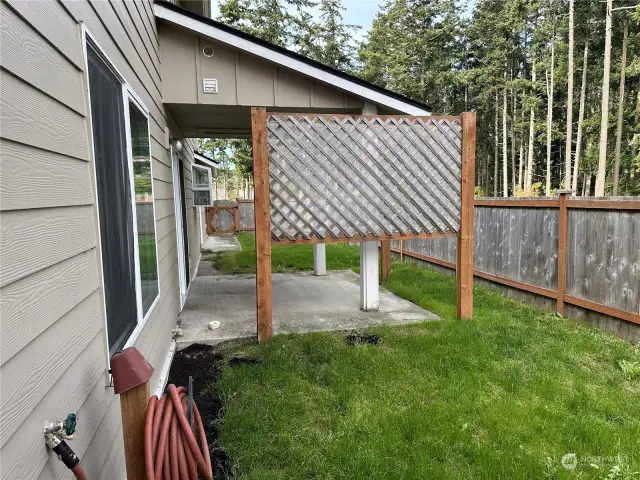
(236, 218)
(131, 373)
(464, 248)
(385, 246)
(208, 213)
(262, 211)
(563, 227)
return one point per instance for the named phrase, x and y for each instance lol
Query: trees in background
(510, 60)
(523, 50)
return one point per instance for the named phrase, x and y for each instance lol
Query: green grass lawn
(289, 258)
(147, 253)
(503, 396)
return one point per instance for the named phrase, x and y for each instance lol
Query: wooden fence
(227, 216)
(578, 252)
(246, 218)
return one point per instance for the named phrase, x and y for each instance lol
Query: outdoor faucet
(55, 435)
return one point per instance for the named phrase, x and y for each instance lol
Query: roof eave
(203, 27)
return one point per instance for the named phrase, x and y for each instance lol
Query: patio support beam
(262, 213)
(369, 289)
(319, 259)
(464, 246)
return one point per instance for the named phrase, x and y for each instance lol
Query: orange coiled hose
(171, 447)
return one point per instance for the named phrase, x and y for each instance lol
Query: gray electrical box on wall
(210, 85)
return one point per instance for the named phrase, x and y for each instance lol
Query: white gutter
(276, 57)
(205, 160)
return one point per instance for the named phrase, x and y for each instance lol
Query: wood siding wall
(52, 339)
(243, 79)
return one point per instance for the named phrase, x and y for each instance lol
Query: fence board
(520, 244)
(247, 219)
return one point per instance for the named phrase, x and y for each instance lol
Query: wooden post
(563, 226)
(131, 374)
(464, 249)
(262, 215)
(133, 406)
(236, 218)
(401, 251)
(208, 214)
(386, 258)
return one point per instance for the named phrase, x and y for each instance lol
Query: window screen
(114, 200)
(143, 184)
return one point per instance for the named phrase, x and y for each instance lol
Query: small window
(201, 185)
(145, 218)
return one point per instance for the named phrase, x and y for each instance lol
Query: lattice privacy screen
(352, 176)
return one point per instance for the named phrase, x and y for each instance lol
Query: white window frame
(202, 189)
(127, 94)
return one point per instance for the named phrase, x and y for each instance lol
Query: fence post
(401, 250)
(236, 218)
(208, 215)
(464, 246)
(563, 227)
(385, 246)
(262, 214)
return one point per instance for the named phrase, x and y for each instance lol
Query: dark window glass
(114, 200)
(185, 235)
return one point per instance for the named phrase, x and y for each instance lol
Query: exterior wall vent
(210, 85)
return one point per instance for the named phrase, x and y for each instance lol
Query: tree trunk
(523, 147)
(224, 182)
(616, 170)
(505, 182)
(567, 173)
(547, 190)
(529, 174)
(583, 94)
(604, 108)
(587, 187)
(513, 138)
(520, 161)
(495, 156)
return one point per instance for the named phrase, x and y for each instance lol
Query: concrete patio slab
(302, 302)
(226, 242)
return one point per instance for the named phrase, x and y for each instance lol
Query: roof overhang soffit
(246, 45)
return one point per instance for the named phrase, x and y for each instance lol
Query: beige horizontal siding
(35, 239)
(53, 23)
(24, 455)
(31, 373)
(50, 300)
(34, 178)
(29, 116)
(31, 305)
(28, 55)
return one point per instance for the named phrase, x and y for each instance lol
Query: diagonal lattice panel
(352, 176)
